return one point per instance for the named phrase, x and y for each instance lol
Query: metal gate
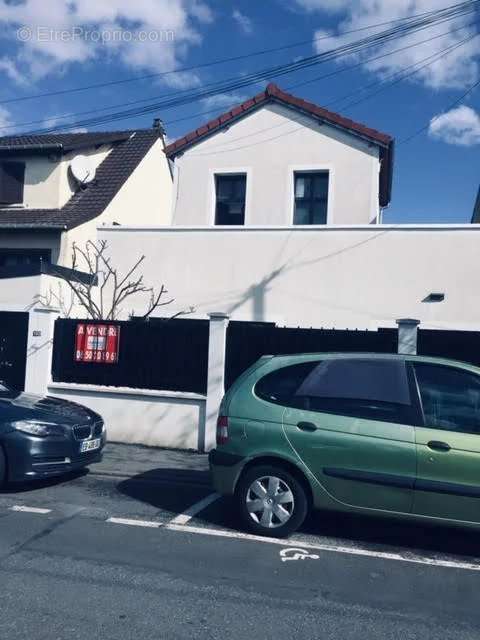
(13, 348)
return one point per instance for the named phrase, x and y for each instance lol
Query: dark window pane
(12, 257)
(350, 388)
(319, 215)
(311, 197)
(320, 185)
(12, 177)
(230, 199)
(367, 389)
(372, 380)
(224, 189)
(302, 214)
(281, 385)
(450, 398)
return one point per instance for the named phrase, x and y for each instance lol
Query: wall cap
(325, 228)
(129, 391)
(218, 315)
(408, 322)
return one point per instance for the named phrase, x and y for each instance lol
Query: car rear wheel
(272, 501)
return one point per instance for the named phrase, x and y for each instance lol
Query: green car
(366, 433)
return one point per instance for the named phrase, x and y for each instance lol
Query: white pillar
(216, 376)
(39, 349)
(407, 336)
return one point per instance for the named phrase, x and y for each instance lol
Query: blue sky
(436, 174)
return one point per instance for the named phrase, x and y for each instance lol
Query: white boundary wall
(361, 277)
(142, 416)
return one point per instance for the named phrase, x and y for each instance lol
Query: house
(44, 209)
(272, 218)
(278, 160)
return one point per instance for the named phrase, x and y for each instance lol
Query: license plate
(90, 445)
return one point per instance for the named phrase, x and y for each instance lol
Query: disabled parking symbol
(291, 553)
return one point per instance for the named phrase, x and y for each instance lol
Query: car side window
(361, 388)
(280, 386)
(376, 389)
(450, 397)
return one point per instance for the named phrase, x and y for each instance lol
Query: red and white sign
(97, 343)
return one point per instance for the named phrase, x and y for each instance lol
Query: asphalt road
(113, 553)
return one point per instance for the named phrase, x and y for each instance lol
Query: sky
(47, 46)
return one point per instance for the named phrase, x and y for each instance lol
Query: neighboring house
(277, 160)
(43, 209)
(476, 209)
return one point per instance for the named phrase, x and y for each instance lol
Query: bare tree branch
(105, 281)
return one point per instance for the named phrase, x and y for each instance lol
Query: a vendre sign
(97, 343)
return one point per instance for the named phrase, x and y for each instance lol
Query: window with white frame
(230, 192)
(310, 197)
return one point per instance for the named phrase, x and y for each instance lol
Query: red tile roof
(273, 93)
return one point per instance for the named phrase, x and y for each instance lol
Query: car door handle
(306, 426)
(436, 445)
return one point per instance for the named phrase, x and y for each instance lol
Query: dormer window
(12, 180)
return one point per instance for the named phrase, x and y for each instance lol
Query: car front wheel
(272, 501)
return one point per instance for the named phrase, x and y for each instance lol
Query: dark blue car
(44, 436)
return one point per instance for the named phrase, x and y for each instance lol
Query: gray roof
(61, 142)
(90, 202)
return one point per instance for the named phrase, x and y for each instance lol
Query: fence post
(39, 349)
(216, 375)
(407, 336)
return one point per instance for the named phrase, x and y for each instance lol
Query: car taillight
(222, 430)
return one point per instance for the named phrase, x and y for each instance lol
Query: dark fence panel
(13, 348)
(248, 341)
(159, 354)
(458, 345)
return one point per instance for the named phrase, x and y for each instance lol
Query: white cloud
(456, 70)
(460, 126)
(224, 100)
(5, 120)
(323, 5)
(142, 34)
(243, 22)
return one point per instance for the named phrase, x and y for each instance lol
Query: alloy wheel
(270, 502)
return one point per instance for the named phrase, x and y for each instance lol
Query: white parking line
(135, 523)
(192, 511)
(355, 551)
(25, 509)
(179, 524)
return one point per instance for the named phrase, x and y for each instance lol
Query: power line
(444, 110)
(223, 148)
(316, 79)
(211, 63)
(231, 85)
(399, 76)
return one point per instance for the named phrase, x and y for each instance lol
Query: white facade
(269, 145)
(332, 277)
(145, 198)
(48, 183)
